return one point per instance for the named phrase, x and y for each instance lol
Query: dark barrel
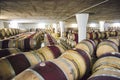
(14, 64)
(8, 51)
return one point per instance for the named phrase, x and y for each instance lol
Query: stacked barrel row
(8, 51)
(49, 39)
(97, 29)
(73, 64)
(25, 41)
(107, 66)
(113, 28)
(14, 63)
(7, 32)
(110, 45)
(7, 43)
(35, 30)
(93, 29)
(102, 35)
(63, 42)
(31, 42)
(72, 39)
(69, 39)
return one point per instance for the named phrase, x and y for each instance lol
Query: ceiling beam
(95, 5)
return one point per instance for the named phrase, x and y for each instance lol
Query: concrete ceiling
(56, 10)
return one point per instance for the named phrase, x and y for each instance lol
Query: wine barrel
(13, 30)
(103, 35)
(91, 36)
(118, 33)
(116, 54)
(107, 34)
(73, 44)
(9, 43)
(14, 64)
(12, 43)
(113, 33)
(98, 35)
(1, 36)
(87, 45)
(4, 43)
(68, 67)
(69, 35)
(3, 32)
(94, 35)
(81, 58)
(106, 46)
(74, 37)
(11, 33)
(51, 52)
(97, 41)
(42, 71)
(28, 44)
(116, 40)
(88, 36)
(109, 61)
(106, 74)
(8, 51)
(7, 32)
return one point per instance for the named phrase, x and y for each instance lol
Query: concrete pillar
(62, 27)
(82, 20)
(102, 26)
(1, 24)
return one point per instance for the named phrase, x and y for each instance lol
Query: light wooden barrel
(81, 58)
(28, 44)
(88, 36)
(106, 74)
(103, 35)
(113, 33)
(51, 52)
(14, 64)
(87, 45)
(11, 33)
(42, 71)
(3, 32)
(116, 40)
(107, 34)
(68, 67)
(4, 43)
(8, 43)
(116, 54)
(74, 37)
(8, 51)
(73, 44)
(104, 62)
(98, 35)
(106, 46)
(97, 41)
(118, 33)
(13, 30)
(94, 35)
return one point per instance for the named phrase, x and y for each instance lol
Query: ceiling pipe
(87, 9)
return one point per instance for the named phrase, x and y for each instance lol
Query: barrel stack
(16, 63)
(71, 65)
(107, 65)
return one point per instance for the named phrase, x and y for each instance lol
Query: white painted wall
(1, 24)
(31, 25)
(27, 25)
